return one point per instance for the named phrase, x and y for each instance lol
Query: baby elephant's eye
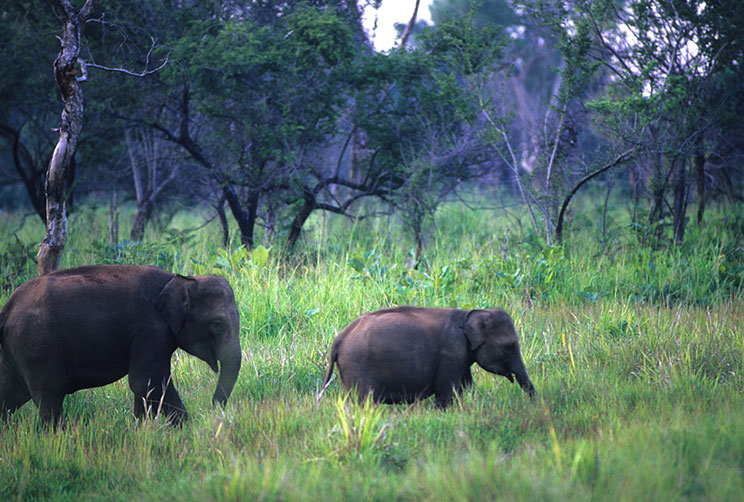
(216, 324)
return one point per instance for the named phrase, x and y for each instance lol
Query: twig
(506, 242)
(84, 68)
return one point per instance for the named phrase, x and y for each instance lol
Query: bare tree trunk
(270, 230)
(144, 212)
(65, 76)
(141, 218)
(113, 220)
(220, 206)
(30, 172)
(552, 160)
(658, 186)
(605, 207)
(299, 220)
(419, 238)
(513, 165)
(409, 27)
(150, 152)
(700, 182)
(680, 201)
(529, 134)
(246, 219)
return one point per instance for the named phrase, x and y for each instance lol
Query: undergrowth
(636, 352)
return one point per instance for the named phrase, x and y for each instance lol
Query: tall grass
(637, 355)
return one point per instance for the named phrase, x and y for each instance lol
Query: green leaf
(260, 256)
(357, 263)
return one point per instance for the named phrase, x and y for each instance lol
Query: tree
(66, 77)
(259, 107)
(29, 165)
(530, 82)
(577, 74)
(669, 59)
(153, 168)
(28, 109)
(567, 200)
(69, 71)
(420, 113)
(532, 108)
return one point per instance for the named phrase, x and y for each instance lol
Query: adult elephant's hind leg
(50, 406)
(13, 392)
(48, 388)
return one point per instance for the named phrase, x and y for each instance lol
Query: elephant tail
(331, 361)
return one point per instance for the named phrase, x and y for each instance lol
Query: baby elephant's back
(394, 354)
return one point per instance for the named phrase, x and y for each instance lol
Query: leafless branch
(512, 163)
(409, 26)
(84, 67)
(87, 9)
(617, 160)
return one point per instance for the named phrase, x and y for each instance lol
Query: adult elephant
(89, 326)
(407, 353)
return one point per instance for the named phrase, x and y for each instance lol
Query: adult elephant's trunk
(229, 355)
(520, 372)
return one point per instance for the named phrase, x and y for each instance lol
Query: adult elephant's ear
(173, 302)
(475, 328)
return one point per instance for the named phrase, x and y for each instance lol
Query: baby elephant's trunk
(524, 381)
(229, 355)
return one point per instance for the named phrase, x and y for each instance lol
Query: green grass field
(636, 354)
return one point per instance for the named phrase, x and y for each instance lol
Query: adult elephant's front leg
(467, 379)
(158, 397)
(155, 394)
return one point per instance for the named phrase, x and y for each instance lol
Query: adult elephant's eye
(217, 324)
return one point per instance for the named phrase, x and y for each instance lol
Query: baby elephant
(407, 353)
(89, 326)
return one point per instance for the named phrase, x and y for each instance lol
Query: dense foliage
(281, 109)
(541, 157)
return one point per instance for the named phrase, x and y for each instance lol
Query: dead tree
(69, 71)
(156, 157)
(67, 80)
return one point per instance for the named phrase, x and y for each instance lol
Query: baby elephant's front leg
(449, 381)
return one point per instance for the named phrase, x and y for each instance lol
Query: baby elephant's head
(493, 340)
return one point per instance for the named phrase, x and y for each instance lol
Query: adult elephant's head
(202, 314)
(493, 340)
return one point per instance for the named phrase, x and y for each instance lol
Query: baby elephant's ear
(475, 328)
(173, 302)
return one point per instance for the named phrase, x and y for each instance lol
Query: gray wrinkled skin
(408, 353)
(90, 326)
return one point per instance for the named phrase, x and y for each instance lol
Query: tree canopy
(280, 109)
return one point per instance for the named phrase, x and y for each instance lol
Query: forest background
(271, 144)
